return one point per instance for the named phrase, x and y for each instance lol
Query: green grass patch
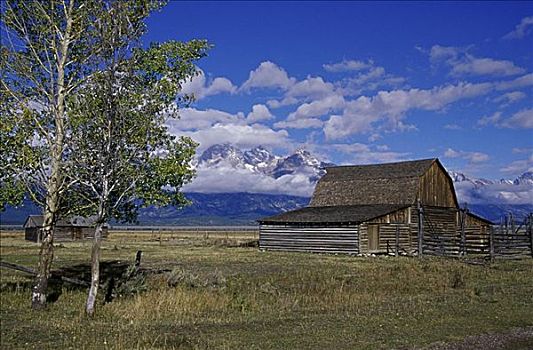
(218, 295)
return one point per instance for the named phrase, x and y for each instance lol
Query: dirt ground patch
(515, 339)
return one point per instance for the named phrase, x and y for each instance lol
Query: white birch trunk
(95, 270)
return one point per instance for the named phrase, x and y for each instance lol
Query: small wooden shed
(71, 229)
(372, 209)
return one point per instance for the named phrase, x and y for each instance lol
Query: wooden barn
(379, 208)
(71, 229)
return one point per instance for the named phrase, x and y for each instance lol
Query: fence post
(530, 231)
(160, 237)
(463, 234)
(420, 228)
(397, 246)
(491, 244)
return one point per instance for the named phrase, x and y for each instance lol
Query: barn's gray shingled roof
(345, 214)
(358, 193)
(391, 183)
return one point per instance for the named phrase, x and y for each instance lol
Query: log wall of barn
(387, 238)
(436, 188)
(478, 224)
(340, 239)
(446, 222)
(387, 232)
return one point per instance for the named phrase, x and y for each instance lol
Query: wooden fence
(508, 240)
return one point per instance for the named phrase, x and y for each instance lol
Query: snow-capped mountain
(460, 177)
(524, 179)
(301, 162)
(217, 154)
(258, 156)
(260, 160)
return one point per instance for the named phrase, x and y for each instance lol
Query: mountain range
(487, 198)
(261, 161)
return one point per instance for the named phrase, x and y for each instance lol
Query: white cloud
(379, 157)
(300, 123)
(369, 80)
(510, 97)
(390, 107)
(438, 53)
(521, 30)
(243, 136)
(306, 115)
(311, 88)
(317, 108)
(374, 73)
(350, 147)
(360, 153)
(490, 120)
(494, 193)
(522, 119)
(374, 137)
(485, 66)
(287, 101)
(452, 127)
(200, 87)
(463, 63)
(268, 75)
(224, 179)
(518, 150)
(347, 65)
(368, 77)
(450, 153)
(259, 112)
(472, 157)
(520, 82)
(519, 166)
(192, 119)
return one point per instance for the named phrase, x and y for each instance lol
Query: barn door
(373, 238)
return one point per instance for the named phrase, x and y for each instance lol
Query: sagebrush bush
(181, 276)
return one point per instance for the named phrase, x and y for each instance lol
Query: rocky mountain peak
(260, 160)
(258, 155)
(216, 154)
(460, 177)
(526, 178)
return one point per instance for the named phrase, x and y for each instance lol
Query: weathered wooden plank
(309, 239)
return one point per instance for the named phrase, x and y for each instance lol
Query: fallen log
(32, 272)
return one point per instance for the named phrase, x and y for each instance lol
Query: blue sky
(363, 82)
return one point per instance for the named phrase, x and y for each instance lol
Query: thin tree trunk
(46, 255)
(95, 270)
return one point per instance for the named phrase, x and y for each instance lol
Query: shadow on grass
(110, 271)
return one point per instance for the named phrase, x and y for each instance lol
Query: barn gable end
(436, 187)
(393, 183)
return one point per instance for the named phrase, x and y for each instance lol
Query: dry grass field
(213, 292)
